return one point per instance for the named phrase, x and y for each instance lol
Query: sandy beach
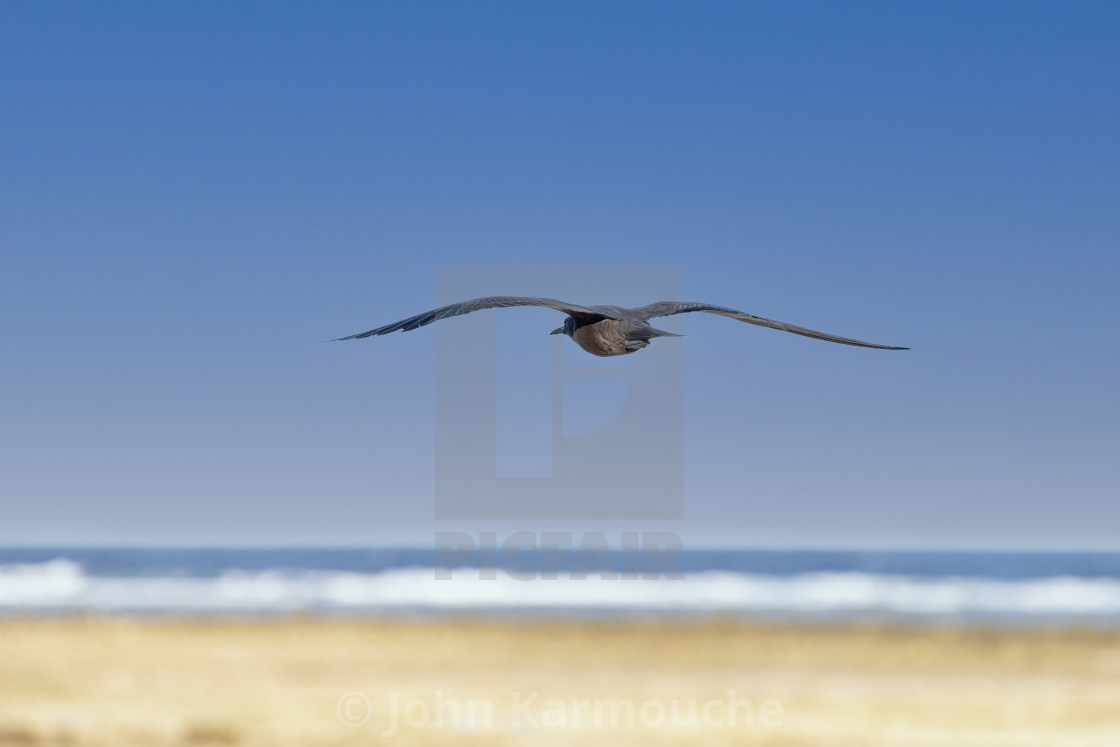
(326, 682)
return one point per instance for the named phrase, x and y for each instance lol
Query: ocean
(814, 585)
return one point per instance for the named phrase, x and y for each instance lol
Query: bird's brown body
(606, 338)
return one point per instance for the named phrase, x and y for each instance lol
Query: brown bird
(607, 330)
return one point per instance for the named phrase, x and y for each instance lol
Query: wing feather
(669, 308)
(478, 304)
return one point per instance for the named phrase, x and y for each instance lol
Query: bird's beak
(557, 331)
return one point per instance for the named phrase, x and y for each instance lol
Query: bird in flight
(606, 331)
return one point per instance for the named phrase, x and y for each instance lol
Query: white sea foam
(63, 585)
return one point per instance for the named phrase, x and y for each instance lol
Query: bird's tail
(655, 332)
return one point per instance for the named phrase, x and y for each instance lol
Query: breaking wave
(63, 585)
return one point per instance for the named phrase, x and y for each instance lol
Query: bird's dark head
(567, 329)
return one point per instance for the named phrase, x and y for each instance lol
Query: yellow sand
(296, 682)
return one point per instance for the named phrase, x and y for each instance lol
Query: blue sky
(193, 197)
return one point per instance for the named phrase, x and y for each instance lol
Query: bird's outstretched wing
(477, 304)
(668, 308)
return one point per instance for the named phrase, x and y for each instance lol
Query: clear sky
(194, 196)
